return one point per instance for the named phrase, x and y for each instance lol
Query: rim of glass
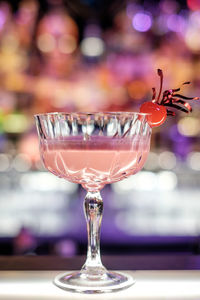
(127, 113)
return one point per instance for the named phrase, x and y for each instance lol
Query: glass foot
(82, 283)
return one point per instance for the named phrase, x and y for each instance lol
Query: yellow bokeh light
(15, 123)
(192, 39)
(46, 42)
(137, 89)
(188, 126)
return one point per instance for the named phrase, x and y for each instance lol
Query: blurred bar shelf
(115, 262)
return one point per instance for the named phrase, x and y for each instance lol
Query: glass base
(82, 283)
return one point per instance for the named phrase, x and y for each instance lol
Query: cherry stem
(154, 95)
(172, 98)
(160, 73)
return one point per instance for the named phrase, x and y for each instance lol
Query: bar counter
(149, 285)
(31, 277)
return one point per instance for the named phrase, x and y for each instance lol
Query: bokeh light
(46, 42)
(167, 180)
(167, 160)
(15, 123)
(176, 23)
(142, 21)
(137, 89)
(193, 4)
(92, 46)
(152, 162)
(21, 163)
(189, 126)
(4, 162)
(193, 160)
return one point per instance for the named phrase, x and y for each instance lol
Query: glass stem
(93, 209)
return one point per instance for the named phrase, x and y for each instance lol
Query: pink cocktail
(95, 161)
(93, 149)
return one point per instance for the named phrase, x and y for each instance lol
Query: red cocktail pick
(170, 98)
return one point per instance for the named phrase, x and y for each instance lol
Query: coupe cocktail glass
(93, 149)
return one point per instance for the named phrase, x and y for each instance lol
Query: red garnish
(158, 113)
(170, 98)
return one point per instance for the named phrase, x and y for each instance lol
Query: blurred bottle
(24, 242)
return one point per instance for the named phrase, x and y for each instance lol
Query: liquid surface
(96, 161)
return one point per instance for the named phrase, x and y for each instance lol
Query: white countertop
(151, 285)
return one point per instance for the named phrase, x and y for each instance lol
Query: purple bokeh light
(2, 19)
(176, 23)
(142, 21)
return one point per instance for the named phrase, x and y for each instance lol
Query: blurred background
(97, 55)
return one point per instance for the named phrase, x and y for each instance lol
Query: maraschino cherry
(158, 113)
(170, 98)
